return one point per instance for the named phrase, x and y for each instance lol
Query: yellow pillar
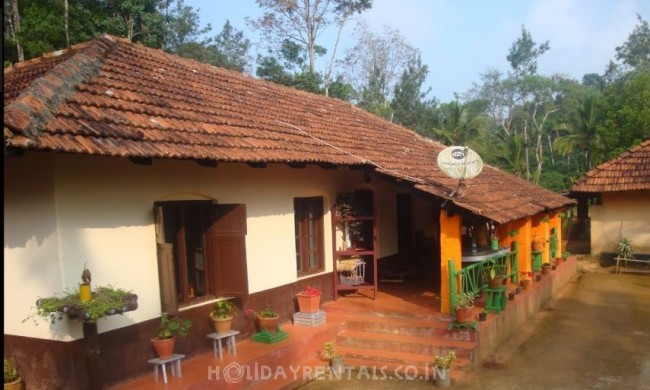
(450, 249)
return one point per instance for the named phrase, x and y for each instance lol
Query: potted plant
(624, 249)
(268, 319)
(222, 314)
(337, 362)
(482, 316)
(495, 280)
(13, 381)
(170, 327)
(309, 300)
(537, 244)
(526, 279)
(443, 368)
(546, 268)
(464, 306)
(348, 207)
(85, 293)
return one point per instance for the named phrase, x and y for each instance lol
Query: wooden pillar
(450, 249)
(91, 344)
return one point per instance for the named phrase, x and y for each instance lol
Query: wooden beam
(297, 165)
(327, 165)
(257, 164)
(141, 160)
(207, 163)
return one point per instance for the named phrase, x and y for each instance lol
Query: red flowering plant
(526, 275)
(310, 291)
(309, 300)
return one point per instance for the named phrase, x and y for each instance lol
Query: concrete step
(404, 326)
(406, 343)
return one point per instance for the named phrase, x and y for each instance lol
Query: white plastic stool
(175, 361)
(229, 336)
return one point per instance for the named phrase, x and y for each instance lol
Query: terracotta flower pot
(164, 347)
(525, 284)
(496, 282)
(537, 246)
(546, 268)
(465, 315)
(221, 325)
(308, 303)
(15, 385)
(268, 323)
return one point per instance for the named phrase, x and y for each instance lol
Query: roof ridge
(37, 103)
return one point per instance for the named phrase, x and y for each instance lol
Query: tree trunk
(16, 21)
(67, 29)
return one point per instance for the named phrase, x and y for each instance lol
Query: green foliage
(624, 249)
(464, 300)
(172, 326)
(224, 309)
(267, 313)
(408, 102)
(106, 300)
(329, 351)
(635, 52)
(445, 361)
(11, 373)
(524, 53)
(85, 275)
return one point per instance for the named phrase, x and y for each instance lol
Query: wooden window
(308, 219)
(201, 251)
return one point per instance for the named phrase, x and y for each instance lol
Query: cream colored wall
(63, 212)
(621, 215)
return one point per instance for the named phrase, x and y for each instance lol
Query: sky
(460, 39)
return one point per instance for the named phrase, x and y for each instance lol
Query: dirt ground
(595, 335)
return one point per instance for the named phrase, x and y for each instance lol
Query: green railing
(474, 277)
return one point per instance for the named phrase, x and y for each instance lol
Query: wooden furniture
(174, 360)
(355, 247)
(229, 336)
(496, 299)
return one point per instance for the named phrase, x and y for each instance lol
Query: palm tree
(582, 136)
(456, 124)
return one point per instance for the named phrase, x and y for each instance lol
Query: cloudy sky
(460, 39)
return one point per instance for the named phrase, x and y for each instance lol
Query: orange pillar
(523, 227)
(450, 249)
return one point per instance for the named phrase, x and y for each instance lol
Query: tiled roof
(628, 172)
(110, 97)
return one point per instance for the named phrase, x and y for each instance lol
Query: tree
(635, 52)
(302, 21)
(582, 136)
(292, 72)
(408, 102)
(626, 113)
(376, 62)
(457, 125)
(524, 53)
(233, 47)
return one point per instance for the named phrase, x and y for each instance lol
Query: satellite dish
(460, 162)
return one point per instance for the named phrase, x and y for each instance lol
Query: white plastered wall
(62, 211)
(621, 215)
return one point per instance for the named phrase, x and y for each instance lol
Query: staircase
(398, 339)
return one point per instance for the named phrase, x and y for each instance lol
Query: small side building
(615, 197)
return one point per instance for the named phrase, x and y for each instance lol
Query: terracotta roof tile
(113, 98)
(628, 172)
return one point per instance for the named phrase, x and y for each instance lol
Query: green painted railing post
(452, 287)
